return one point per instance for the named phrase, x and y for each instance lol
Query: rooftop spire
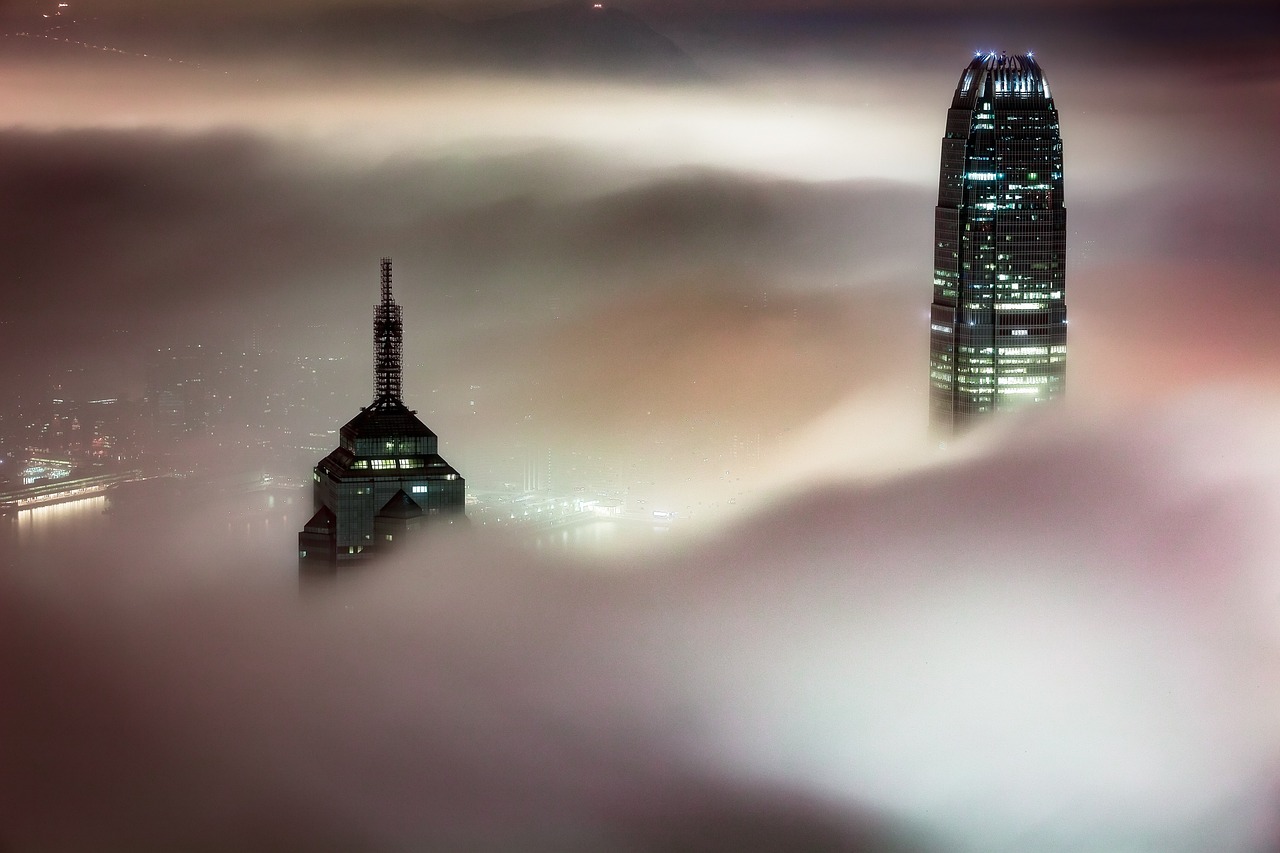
(388, 338)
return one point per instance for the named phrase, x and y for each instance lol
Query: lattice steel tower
(998, 324)
(388, 344)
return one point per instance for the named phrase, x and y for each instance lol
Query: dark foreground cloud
(1068, 643)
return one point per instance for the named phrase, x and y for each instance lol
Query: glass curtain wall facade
(998, 323)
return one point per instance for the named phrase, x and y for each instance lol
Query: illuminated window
(383, 464)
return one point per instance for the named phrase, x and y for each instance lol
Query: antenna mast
(388, 339)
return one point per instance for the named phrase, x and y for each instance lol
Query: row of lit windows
(1036, 260)
(1007, 384)
(387, 464)
(1056, 348)
(987, 354)
(417, 490)
(1006, 366)
(1040, 200)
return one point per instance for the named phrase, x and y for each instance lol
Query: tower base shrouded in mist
(386, 481)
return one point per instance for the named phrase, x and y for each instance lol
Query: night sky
(651, 229)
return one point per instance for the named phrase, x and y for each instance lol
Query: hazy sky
(725, 220)
(653, 255)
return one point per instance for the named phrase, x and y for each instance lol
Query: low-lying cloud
(1064, 638)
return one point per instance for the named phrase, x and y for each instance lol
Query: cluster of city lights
(44, 470)
(62, 10)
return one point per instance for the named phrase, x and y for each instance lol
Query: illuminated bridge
(63, 490)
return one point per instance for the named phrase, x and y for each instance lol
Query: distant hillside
(571, 37)
(582, 35)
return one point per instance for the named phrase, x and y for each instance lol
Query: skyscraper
(385, 478)
(998, 325)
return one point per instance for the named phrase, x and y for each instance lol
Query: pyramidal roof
(401, 506)
(387, 421)
(324, 521)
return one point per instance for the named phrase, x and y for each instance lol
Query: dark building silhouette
(998, 339)
(386, 479)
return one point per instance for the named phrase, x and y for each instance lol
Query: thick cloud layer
(1067, 642)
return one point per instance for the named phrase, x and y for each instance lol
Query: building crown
(1000, 76)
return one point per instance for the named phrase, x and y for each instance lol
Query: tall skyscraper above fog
(998, 324)
(386, 479)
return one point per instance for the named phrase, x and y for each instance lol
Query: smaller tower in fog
(386, 479)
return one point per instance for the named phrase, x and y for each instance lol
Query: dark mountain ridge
(572, 37)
